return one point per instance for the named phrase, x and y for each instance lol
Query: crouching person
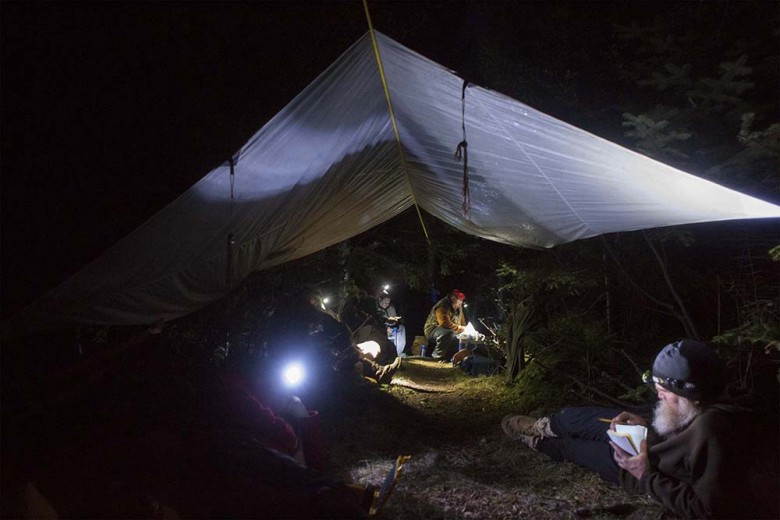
(701, 459)
(445, 321)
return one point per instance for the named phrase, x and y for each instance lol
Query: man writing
(702, 459)
(444, 323)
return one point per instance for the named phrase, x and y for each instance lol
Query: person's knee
(446, 336)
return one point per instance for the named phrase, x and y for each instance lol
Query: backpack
(479, 365)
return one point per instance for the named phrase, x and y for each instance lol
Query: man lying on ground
(701, 459)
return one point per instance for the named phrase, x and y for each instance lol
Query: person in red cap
(444, 323)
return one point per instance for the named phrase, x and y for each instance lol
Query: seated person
(444, 323)
(396, 331)
(216, 452)
(366, 352)
(701, 459)
(288, 427)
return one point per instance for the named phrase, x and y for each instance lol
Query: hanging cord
(232, 162)
(231, 240)
(392, 119)
(462, 152)
(232, 180)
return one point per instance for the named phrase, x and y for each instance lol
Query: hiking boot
(524, 425)
(460, 356)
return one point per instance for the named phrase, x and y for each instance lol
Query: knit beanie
(689, 369)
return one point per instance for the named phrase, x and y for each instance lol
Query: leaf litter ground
(462, 465)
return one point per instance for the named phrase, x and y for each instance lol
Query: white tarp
(327, 168)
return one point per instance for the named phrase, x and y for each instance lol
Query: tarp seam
(523, 150)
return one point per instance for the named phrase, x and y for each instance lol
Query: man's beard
(669, 419)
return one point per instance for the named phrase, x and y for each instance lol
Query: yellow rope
(392, 119)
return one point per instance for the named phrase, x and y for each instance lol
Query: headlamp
(673, 383)
(649, 378)
(293, 374)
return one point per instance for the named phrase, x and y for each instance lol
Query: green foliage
(760, 143)
(569, 355)
(540, 393)
(673, 76)
(721, 93)
(543, 279)
(750, 352)
(760, 326)
(774, 253)
(655, 137)
(719, 114)
(575, 361)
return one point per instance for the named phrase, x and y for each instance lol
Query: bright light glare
(387, 287)
(293, 374)
(325, 300)
(369, 348)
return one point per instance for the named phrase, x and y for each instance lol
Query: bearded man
(701, 459)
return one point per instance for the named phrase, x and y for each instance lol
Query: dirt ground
(462, 465)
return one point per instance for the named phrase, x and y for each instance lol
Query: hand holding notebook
(628, 437)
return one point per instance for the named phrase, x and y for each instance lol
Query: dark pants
(445, 343)
(582, 439)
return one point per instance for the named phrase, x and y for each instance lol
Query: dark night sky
(112, 109)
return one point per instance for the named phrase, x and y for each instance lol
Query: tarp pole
(392, 119)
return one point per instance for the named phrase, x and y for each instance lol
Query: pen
(602, 419)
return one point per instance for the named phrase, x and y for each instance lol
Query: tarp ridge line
(392, 118)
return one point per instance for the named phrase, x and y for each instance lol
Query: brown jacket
(443, 315)
(715, 468)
